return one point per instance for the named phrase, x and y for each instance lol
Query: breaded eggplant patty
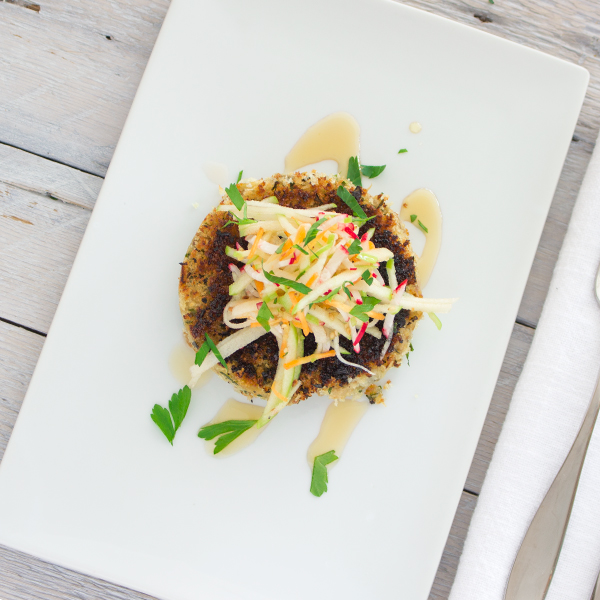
(205, 279)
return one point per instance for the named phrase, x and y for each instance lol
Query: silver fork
(536, 560)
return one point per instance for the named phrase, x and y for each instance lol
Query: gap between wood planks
(54, 160)
(25, 4)
(8, 322)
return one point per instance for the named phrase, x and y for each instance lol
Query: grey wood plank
(31, 173)
(39, 238)
(69, 72)
(454, 546)
(19, 352)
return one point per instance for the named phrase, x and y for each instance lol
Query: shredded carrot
(287, 250)
(293, 297)
(300, 234)
(260, 286)
(370, 245)
(307, 359)
(284, 341)
(306, 330)
(255, 244)
(281, 397)
(287, 254)
(375, 315)
(312, 279)
(255, 325)
(321, 237)
(341, 305)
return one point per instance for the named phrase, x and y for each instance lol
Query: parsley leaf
(318, 483)
(235, 196)
(301, 249)
(367, 277)
(402, 151)
(202, 354)
(327, 296)
(311, 234)
(352, 202)
(179, 404)
(215, 350)
(162, 418)
(299, 287)
(354, 171)
(423, 227)
(347, 292)
(372, 172)
(413, 218)
(360, 310)
(280, 249)
(228, 430)
(355, 247)
(240, 176)
(263, 316)
(361, 222)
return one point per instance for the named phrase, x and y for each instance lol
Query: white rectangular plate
(89, 482)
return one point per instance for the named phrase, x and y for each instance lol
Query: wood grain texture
(42, 221)
(68, 74)
(454, 546)
(19, 351)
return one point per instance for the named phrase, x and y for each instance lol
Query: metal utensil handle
(536, 560)
(596, 592)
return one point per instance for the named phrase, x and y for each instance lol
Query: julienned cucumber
(237, 254)
(299, 354)
(240, 285)
(289, 374)
(284, 378)
(285, 301)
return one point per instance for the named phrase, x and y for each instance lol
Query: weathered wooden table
(68, 72)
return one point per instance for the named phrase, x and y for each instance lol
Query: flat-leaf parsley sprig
(169, 420)
(318, 484)
(227, 430)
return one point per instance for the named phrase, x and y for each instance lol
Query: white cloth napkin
(545, 413)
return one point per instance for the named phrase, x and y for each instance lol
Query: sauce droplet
(415, 127)
(425, 206)
(233, 410)
(181, 359)
(336, 137)
(338, 424)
